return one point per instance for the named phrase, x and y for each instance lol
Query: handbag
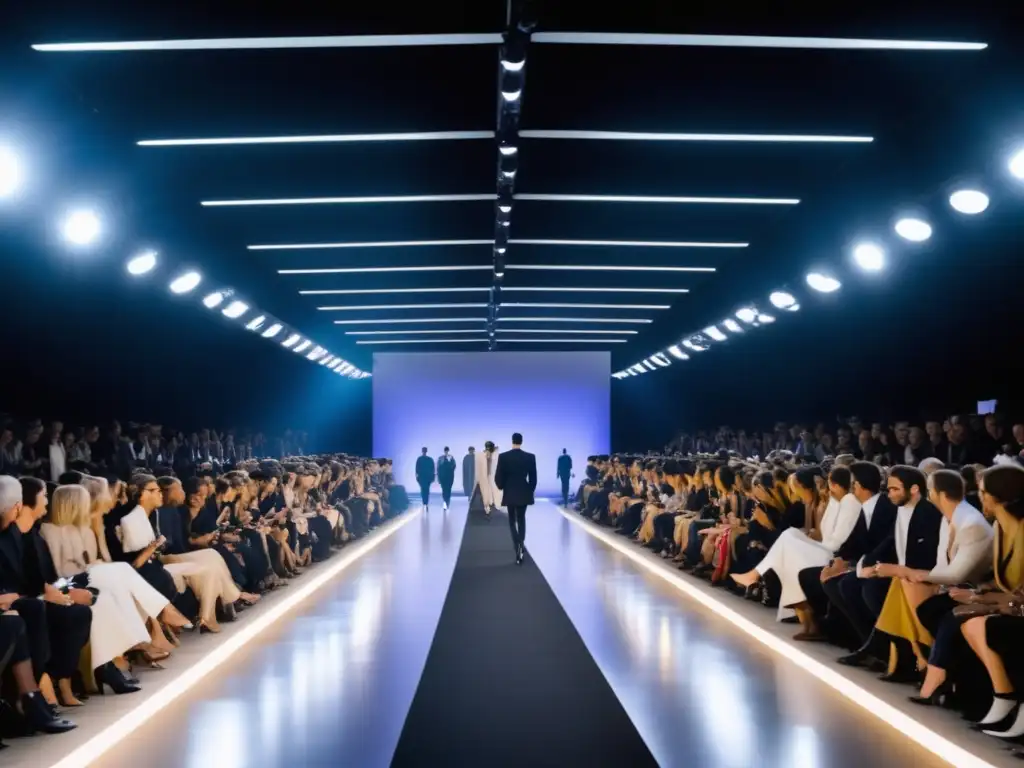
(971, 610)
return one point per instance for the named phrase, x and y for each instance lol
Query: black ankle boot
(109, 675)
(40, 716)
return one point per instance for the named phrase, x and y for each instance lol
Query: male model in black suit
(425, 474)
(564, 474)
(516, 478)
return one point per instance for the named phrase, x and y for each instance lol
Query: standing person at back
(446, 476)
(425, 473)
(516, 478)
(564, 474)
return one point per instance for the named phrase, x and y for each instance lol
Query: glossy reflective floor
(333, 685)
(330, 687)
(700, 692)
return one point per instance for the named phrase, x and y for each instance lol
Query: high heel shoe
(208, 627)
(937, 697)
(110, 675)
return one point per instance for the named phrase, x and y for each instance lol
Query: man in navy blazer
(516, 478)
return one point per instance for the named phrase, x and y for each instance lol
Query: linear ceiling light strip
(347, 200)
(587, 306)
(357, 307)
(795, 138)
(413, 320)
(327, 138)
(368, 270)
(368, 291)
(752, 41)
(696, 200)
(380, 244)
(603, 289)
(416, 332)
(481, 340)
(606, 268)
(253, 43)
(562, 341)
(638, 321)
(632, 243)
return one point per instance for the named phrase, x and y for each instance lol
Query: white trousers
(793, 551)
(118, 615)
(206, 572)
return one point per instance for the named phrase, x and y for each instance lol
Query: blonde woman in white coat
(490, 494)
(124, 597)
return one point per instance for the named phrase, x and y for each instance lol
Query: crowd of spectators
(114, 547)
(903, 545)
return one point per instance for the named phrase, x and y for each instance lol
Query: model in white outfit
(490, 494)
(794, 550)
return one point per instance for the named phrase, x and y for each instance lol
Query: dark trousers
(517, 524)
(565, 490)
(936, 615)
(425, 491)
(859, 600)
(446, 493)
(14, 647)
(56, 635)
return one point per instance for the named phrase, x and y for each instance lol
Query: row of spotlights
(868, 256)
(236, 308)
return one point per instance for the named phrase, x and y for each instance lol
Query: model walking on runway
(425, 474)
(516, 478)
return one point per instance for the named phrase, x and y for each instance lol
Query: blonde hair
(70, 506)
(99, 492)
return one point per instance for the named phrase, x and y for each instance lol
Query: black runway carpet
(508, 681)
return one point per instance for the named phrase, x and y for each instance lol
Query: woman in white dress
(796, 549)
(124, 597)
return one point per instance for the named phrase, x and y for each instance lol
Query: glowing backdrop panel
(556, 399)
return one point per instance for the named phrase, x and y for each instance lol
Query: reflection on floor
(333, 686)
(330, 687)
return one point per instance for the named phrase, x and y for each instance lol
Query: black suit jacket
(865, 538)
(922, 540)
(425, 472)
(11, 578)
(564, 465)
(516, 477)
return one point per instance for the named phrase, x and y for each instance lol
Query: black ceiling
(936, 116)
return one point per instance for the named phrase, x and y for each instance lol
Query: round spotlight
(212, 300)
(715, 333)
(1016, 166)
(914, 230)
(747, 314)
(869, 257)
(507, 150)
(10, 172)
(143, 263)
(511, 95)
(256, 323)
(823, 283)
(732, 325)
(235, 309)
(186, 282)
(81, 227)
(969, 201)
(765, 319)
(782, 300)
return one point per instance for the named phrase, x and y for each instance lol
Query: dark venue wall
(84, 346)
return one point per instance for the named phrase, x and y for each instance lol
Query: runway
(411, 656)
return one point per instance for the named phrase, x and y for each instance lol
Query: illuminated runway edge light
(251, 43)
(331, 138)
(931, 740)
(208, 664)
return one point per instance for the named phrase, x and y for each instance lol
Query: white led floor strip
(908, 726)
(208, 665)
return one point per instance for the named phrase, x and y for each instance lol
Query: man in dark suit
(446, 476)
(425, 474)
(860, 599)
(516, 478)
(564, 474)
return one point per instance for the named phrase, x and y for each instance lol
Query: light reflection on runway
(699, 691)
(333, 684)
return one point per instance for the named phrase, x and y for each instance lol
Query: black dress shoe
(900, 676)
(859, 658)
(41, 717)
